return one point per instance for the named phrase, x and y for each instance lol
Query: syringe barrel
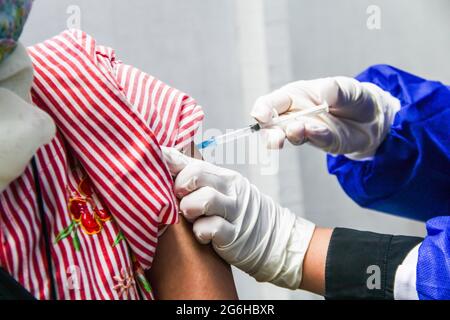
(324, 108)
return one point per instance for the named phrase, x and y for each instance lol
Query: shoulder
(73, 42)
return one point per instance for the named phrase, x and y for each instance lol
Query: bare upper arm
(184, 269)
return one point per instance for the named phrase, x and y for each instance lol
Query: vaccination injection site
(224, 158)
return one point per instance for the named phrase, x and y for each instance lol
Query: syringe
(247, 131)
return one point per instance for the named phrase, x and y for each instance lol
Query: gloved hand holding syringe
(247, 131)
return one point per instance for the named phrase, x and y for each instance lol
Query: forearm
(350, 264)
(315, 262)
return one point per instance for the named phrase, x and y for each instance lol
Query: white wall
(330, 38)
(226, 53)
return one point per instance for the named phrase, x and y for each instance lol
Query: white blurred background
(226, 53)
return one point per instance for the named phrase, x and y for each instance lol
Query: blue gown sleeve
(410, 174)
(433, 265)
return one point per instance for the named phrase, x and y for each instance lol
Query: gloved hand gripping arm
(246, 228)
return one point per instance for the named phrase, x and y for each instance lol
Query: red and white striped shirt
(106, 190)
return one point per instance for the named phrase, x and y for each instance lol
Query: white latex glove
(247, 229)
(23, 128)
(361, 115)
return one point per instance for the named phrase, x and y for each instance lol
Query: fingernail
(174, 156)
(316, 127)
(275, 144)
(296, 139)
(262, 117)
(191, 186)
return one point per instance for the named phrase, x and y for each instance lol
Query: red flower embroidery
(85, 214)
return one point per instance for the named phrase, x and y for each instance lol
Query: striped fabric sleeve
(97, 122)
(172, 115)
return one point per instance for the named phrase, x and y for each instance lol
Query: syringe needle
(247, 131)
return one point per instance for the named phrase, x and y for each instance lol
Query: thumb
(175, 160)
(271, 105)
(215, 229)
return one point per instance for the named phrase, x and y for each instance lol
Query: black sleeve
(10, 289)
(362, 265)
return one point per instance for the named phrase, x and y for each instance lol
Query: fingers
(298, 133)
(207, 202)
(198, 174)
(294, 97)
(295, 133)
(347, 97)
(273, 104)
(215, 229)
(319, 135)
(354, 100)
(274, 138)
(176, 161)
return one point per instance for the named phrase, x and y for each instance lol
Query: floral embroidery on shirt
(85, 214)
(125, 282)
(120, 237)
(140, 275)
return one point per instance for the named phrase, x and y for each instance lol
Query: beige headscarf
(23, 127)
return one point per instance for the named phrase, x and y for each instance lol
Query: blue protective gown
(410, 173)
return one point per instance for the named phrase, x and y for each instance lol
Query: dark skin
(183, 269)
(315, 262)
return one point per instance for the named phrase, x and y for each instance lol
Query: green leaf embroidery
(145, 283)
(65, 233)
(76, 241)
(120, 237)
